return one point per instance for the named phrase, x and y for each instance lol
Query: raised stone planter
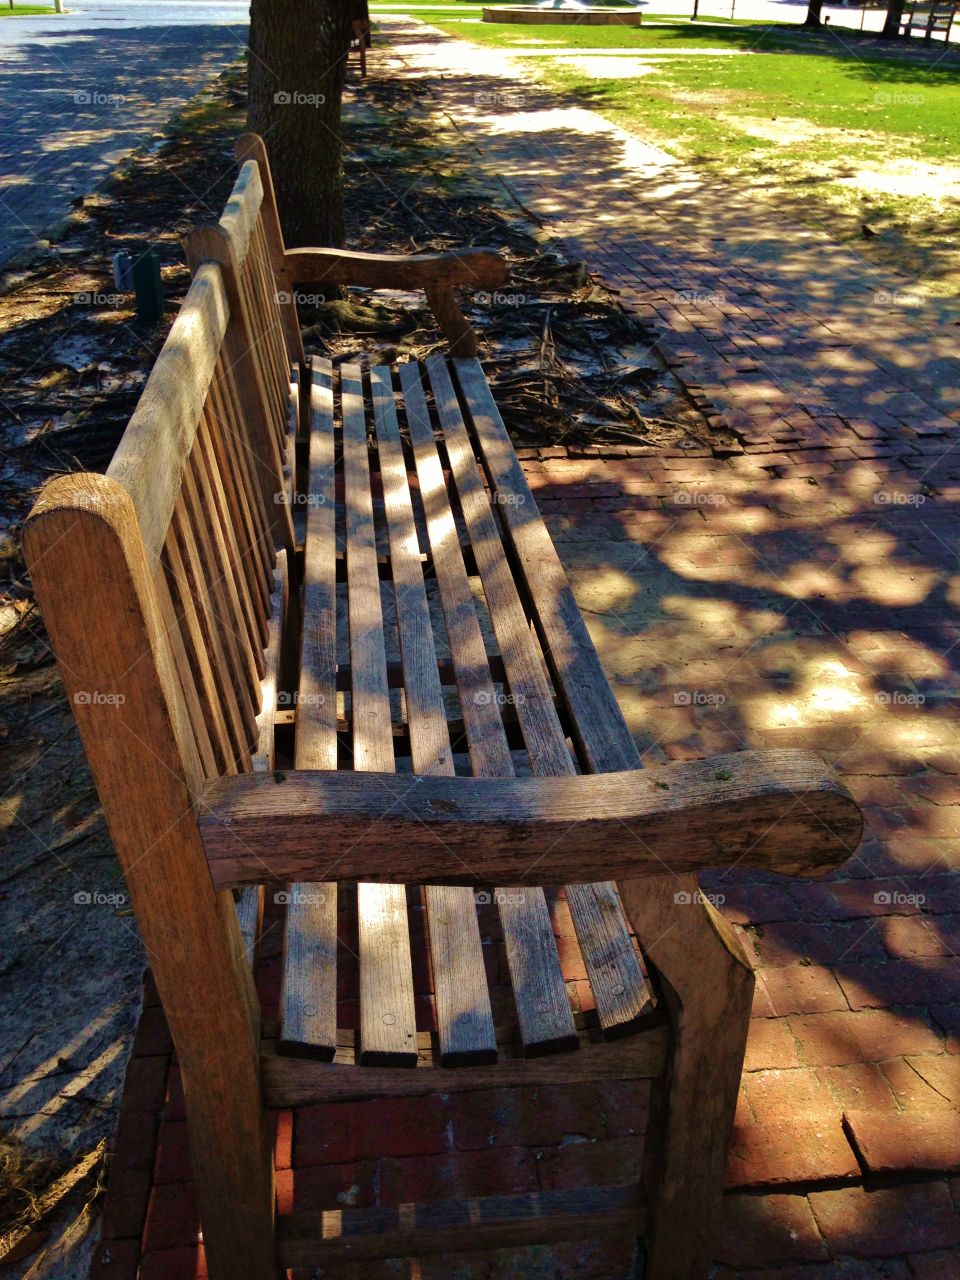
(532, 16)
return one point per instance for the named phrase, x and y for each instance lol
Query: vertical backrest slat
(276, 373)
(257, 475)
(220, 588)
(251, 533)
(260, 264)
(251, 147)
(172, 625)
(259, 394)
(199, 656)
(226, 690)
(214, 498)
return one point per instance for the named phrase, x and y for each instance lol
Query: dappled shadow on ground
(82, 100)
(802, 594)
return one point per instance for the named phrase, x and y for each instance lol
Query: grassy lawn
(830, 126)
(25, 10)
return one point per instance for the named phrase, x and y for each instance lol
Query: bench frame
(93, 544)
(929, 20)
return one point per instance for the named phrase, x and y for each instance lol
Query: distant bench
(927, 19)
(533, 16)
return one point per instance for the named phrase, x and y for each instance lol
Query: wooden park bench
(928, 20)
(350, 560)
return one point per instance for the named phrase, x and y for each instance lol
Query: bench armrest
(782, 811)
(435, 273)
(478, 268)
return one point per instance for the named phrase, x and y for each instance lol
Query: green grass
(25, 10)
(798, 125)
(918, 102)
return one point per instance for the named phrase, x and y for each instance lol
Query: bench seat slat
(308, 996)
(486, 739)
(597, 723)
(387, 1014)
(464, 1015)
(543, 1008)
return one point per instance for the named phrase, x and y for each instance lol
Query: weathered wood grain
(448, 1227)
(599, 729)
(262, 419)
(91, 570)
(153, 450)
(777, 810)
(250, 899)
(387, 1016)
(451, 321)
(708, 990)
(250, 146)
(308, 995)
(242, 209)
(540, 994)
(612, 964)
(295, 1082)
(479, 268)
(464, 1016)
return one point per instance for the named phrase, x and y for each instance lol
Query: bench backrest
(206, 460)
(155, 586)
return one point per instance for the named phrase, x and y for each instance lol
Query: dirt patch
(934, 183)
(791, 131)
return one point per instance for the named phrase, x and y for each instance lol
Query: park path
(78, 93)
(782, 328)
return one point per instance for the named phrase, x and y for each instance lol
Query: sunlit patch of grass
(830, 138)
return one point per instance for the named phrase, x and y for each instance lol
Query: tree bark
(297, 67)
(814, 10)
(891, 26)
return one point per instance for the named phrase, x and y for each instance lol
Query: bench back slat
(199, 682)
(224, 693)
(153, 451)
(251, 147)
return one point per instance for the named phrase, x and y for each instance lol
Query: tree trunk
(891, 27)
(297, 67)
(813, 18)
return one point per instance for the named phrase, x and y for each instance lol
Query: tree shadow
(84, 99)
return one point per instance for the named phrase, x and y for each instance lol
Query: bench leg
(106, 611)
(706, 983)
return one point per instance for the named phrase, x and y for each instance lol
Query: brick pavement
(803, 592)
